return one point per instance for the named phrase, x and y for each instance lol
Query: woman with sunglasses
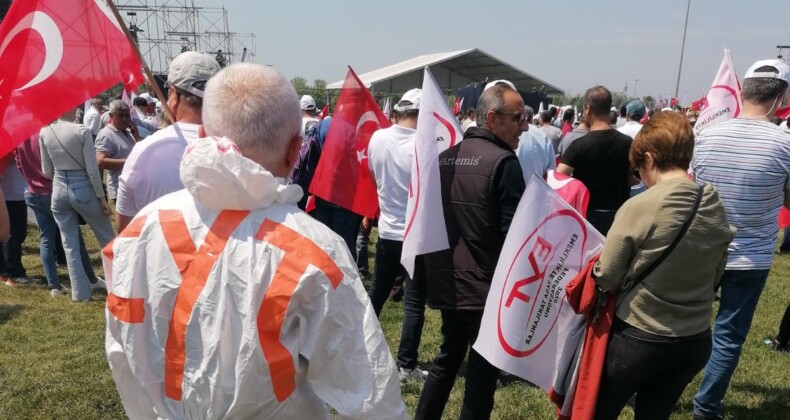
(663, 257)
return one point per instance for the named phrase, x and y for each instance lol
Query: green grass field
(52, 363)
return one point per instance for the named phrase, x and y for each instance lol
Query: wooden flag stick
(147, 70)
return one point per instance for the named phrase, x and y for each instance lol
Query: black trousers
(655, 368)
(784, 328)
(11, 261)
(387, 267)
(343, 222)
(459, 332)
(601, 220)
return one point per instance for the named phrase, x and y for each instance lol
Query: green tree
(300, 84)
(650, 102)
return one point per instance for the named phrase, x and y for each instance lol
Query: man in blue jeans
(747, 159)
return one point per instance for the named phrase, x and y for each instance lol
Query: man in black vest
(482, 184)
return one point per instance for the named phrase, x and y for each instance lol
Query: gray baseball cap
(190, 71)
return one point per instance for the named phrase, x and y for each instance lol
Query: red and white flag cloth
(55, 54)
(723, 98)
(324, 112)
(342, 176)
(548, 244)
(437, 130)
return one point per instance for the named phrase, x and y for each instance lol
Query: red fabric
(783, 113)
(700, 104)
(342, 176)
(673, 102)
(566, 128)
(583, 299)
(784, 217)
(571, 190)
(457, 106)
(55, 55)
(324, 112)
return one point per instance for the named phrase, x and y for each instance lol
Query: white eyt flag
(548, 244)
(437, 130)
(723, 101)
(387, 108)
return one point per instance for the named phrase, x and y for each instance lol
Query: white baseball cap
(496, 82)
(782, 70)
(410, 100)
(307, 103)
(148, 99)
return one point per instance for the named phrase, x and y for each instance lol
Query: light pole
(635, 82)
(682, 48)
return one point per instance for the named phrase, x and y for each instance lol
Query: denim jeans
(48, 238)
(386, 269)
(740, 291)
(657, 369)
(73, 196)
(459, 331)
(343, 222)
(11, 261)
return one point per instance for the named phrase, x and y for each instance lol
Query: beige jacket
(676, 299)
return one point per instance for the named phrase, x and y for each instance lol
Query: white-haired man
(151, 170)
(114, 143)
(227, 301)
(747, 159)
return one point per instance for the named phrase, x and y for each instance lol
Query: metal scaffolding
(165, 28)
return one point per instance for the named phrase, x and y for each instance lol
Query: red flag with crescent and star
(342, 176)
(55, 55)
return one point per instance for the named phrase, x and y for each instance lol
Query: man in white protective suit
(227, 301)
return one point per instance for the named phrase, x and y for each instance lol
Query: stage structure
(165, 28)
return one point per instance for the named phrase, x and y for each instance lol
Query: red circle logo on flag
(533, 291)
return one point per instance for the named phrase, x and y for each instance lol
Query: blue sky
(571, 44)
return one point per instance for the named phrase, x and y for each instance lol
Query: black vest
(459, 278)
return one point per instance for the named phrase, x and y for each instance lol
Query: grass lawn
(52, 363)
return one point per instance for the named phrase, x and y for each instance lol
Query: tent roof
(452, 70)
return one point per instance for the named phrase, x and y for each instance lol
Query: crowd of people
(226, 299)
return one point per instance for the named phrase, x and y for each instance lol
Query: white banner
(723, 101)
(546, 247)
(437, 130)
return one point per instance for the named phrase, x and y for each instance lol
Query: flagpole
(682, 48)
(147, 70)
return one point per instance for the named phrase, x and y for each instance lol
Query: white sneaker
(407, 374)
(99, 285)
(63, 291)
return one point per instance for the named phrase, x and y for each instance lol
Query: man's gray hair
(256, 107)
(118, 105)
(492, 99)
(528, 113)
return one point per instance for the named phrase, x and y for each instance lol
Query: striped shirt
(748, 161)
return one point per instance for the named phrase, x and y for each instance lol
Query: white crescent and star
(366, 117)
(53, 43)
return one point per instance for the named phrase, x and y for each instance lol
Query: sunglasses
(519, 117)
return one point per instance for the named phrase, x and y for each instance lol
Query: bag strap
(65, 149)
(671, 247)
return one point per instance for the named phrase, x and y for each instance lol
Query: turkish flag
(55, 55)
(324, 112)
(342, 176)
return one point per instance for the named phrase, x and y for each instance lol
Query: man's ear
(292, 153)
(201, 131)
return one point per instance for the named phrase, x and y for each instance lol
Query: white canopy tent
(452, 70)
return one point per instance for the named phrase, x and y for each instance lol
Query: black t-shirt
(600, 160)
